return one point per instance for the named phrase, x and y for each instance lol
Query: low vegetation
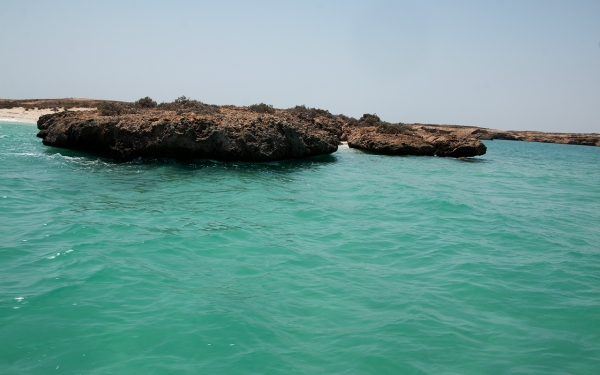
(383, 127)
(399, 128)
(111, 109)
(368, 120)
(185, 104)
(262, 108)
(146, 102)
(303, 111)
(180, 105)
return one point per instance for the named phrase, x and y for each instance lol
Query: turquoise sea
(351, 263)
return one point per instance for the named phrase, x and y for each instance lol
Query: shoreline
(28, 112)
(19, 115)
(16, 121)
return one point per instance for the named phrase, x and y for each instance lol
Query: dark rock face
(230, 134)
(402, 139)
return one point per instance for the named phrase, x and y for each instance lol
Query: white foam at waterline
(17, 120)
(26, 154)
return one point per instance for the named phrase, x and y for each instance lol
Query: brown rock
(229, 133)
(584, 139)
(405, 139)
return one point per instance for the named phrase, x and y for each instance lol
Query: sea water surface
(351, 263)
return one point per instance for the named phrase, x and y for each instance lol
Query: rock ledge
(229, 134)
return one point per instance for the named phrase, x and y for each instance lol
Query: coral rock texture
(225, 133)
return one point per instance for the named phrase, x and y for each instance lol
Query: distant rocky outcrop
(585, 139)
(372, 134)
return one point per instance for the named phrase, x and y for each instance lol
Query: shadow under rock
(287, 165)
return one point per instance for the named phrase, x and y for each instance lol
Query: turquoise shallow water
(351, 263)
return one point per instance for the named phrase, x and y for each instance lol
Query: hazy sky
(498, 63)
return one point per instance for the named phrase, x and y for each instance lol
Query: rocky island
(193, 130)
(188, 129)
(370, 133)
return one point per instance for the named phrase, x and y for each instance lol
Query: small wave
(81, 160)
(26, 154)
(18, 121)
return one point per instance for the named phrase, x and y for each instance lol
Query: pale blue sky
(501, 64)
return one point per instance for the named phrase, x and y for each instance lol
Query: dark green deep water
(351, 263)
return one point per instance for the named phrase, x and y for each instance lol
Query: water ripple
(351, 263)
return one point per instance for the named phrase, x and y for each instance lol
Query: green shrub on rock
(312, 113)
(146, 102)
(110, 109)
(184, 104)
(369, 120)
(399, 128)
(262, 108)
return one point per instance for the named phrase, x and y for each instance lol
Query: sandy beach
(30, 116)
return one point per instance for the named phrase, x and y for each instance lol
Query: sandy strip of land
(20, 115)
